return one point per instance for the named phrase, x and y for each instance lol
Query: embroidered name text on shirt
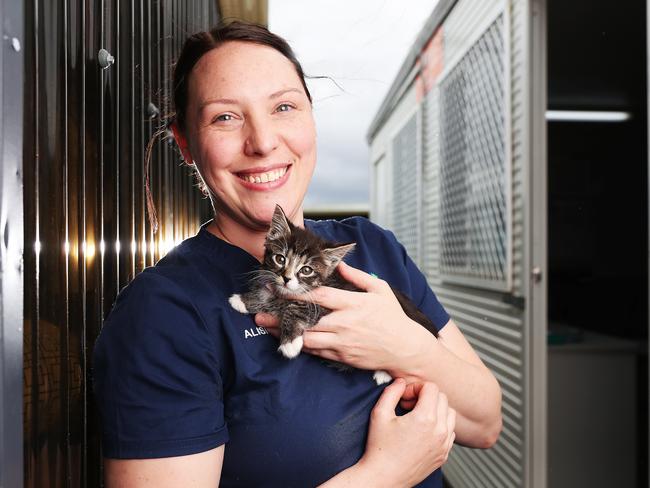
(254, 332)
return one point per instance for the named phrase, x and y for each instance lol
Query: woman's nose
(262, 138)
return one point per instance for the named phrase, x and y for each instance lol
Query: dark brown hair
(202, 42)
(194, 48)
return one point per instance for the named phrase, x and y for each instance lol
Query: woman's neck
(249, 239)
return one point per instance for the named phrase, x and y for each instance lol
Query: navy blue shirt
(177, 371)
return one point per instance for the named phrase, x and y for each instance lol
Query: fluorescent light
(587, 116)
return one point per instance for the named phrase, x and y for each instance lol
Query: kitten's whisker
(262, 276)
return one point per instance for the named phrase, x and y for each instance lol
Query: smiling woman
(241, 131)
(189, 395)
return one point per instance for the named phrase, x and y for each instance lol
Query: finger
(407, 404)
(451, 420)
(410, 396)
(450, 445)
(329, 322)
(442, 412)
(385, 406)
(274, 331)
(332, 298)
(266, 320)
(412, 391)
(360, 279)
(428, 398)
(313, 339)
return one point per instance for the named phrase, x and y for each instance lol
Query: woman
(192, 393)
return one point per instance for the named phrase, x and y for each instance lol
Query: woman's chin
(264, 214)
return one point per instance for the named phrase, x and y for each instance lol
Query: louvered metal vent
(473, 184)
(405, 187)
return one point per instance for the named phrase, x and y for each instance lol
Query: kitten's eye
(306, 271)
(279, 259)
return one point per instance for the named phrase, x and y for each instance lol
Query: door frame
(536, 248)
(11, 243)
(647, 33)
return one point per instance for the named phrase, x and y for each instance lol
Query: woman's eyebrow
(232, 101)
(282, 92)
(223, 101)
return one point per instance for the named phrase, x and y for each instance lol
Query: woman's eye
(306, 270)
(285, 107)
(224, 118)
(279, 259)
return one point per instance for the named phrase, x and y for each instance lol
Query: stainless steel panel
(85, 134)
(12, 48)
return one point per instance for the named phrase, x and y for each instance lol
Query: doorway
(597, 244)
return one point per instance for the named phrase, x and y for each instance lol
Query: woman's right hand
(403, 450)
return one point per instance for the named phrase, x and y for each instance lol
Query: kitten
(297, 261)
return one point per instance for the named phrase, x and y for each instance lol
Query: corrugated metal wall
(86, 232)
(493, 320)
(490, 321)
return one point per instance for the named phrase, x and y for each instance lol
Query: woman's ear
(181, 142)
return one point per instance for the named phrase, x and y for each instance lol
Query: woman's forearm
(471, 388)
(356, 475)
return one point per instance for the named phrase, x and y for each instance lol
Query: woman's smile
(265, 178)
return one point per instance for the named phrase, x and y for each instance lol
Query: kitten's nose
(286, 280)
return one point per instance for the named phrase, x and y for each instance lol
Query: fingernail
(400, 381)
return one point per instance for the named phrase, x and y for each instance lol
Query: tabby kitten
(297, 261)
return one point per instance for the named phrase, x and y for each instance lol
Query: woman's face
(251, 132)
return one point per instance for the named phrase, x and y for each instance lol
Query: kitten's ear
(280, 225)
(333, 255)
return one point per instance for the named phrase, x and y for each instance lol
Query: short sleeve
(421, 293)
(156, 375)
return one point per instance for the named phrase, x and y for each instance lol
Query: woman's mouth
(264, 179)
(267, 177)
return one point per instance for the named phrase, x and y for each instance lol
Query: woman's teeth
(265, 177)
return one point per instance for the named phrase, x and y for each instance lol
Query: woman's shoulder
(153, 302)
(152, 288)
(201, 269)
(178, 289)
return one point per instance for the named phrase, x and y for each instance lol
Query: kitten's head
(299, 259)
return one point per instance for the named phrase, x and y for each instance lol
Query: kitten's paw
(291, 349)
(382, 377)
(237, 303)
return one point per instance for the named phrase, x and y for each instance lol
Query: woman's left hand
(367, 330)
